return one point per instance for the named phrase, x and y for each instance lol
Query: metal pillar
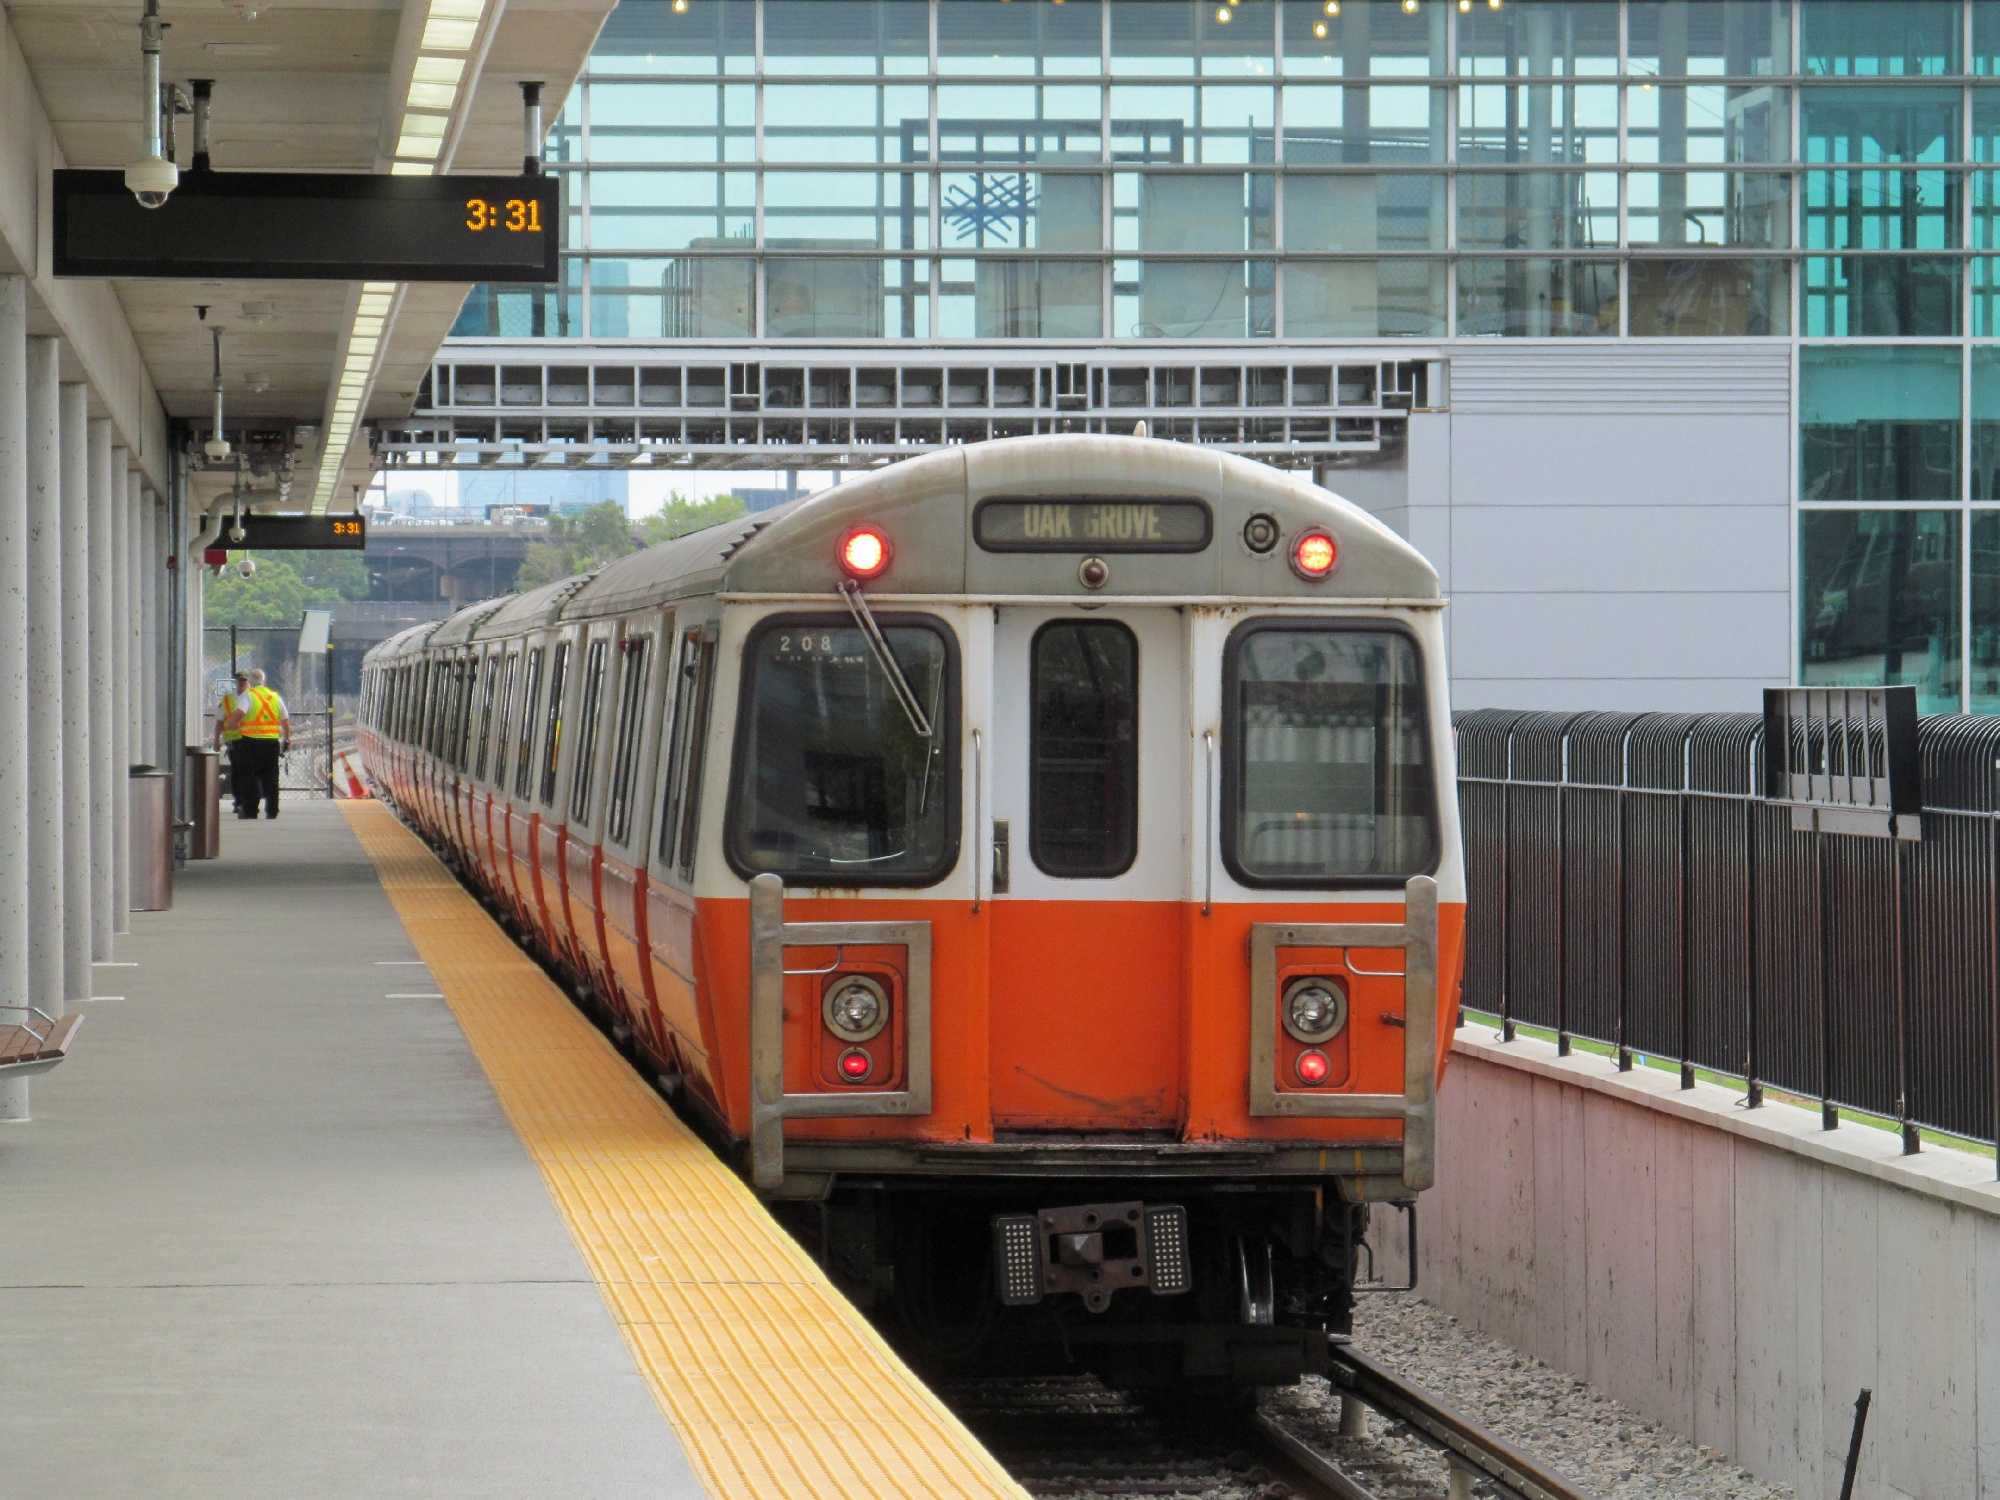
(122, 611)
(45, 670)
(146, 661)
(13, 664)
(73, 416)
(102, 671)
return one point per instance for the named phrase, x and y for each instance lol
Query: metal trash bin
(204, 780)
(152, 839)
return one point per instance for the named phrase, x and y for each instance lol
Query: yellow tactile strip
(775, 1384)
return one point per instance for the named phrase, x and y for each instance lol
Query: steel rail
(1356, 1375)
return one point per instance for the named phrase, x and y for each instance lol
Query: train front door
(1085, 849)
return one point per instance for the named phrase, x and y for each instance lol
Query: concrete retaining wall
(1735, 1275)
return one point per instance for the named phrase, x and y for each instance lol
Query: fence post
(1993, 975)
(1618, 884)
(1829, 1112)
(1506, 897)
(1562, 904)
(1751, 1061)
(1681, 902)
(1912, 1141)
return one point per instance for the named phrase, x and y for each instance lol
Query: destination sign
(300, 534)
(1121, 525)
(276, 226)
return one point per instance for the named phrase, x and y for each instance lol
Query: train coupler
(1093, 1250)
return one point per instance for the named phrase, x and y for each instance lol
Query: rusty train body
(1036, 864)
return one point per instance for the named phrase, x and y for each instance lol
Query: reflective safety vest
(230, 703)
(263, 719)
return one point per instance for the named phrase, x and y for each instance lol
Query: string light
(680, 7)
(1410, 7)
(1319, 30)
(1465, 7)
(1222, 14)
(1333, 7)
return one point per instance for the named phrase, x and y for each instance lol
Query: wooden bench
(37, 1044)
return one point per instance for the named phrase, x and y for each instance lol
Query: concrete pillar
(122, 611)
(45, 657)
(13, 668)
(73, 414)
(102, 670)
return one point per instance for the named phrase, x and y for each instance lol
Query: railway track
(1073, 1438)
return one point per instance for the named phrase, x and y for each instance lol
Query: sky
(649, 491)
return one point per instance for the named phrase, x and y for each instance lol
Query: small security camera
(215, 450)
(237, 533)
(248, 567)
(152, 180)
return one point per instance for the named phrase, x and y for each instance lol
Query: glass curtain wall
(1821, 172)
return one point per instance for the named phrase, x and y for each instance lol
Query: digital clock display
(268, 533)
(265, 226)
(354, 527)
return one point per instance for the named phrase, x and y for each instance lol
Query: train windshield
(1327, 757)
(833, 785)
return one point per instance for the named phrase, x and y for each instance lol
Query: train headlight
(855, 1009)
(1315, 1009)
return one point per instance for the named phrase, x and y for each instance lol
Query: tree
(285, 586)
(576, 544)
(680, 516)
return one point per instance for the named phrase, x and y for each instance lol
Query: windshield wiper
(906, 699)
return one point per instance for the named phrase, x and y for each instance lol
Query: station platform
(339, 1195)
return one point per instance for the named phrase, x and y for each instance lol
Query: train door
(1085, 849)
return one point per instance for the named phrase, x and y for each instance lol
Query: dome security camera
(152, 180)
(248, 567)
(237, 533)
(216, 450)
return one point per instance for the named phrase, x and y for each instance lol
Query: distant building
(556, 493)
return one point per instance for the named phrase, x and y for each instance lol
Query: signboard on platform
(288, 226)
(298, 534)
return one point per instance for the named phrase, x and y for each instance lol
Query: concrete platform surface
(269, 1233)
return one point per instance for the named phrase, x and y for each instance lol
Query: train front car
(1087, 851)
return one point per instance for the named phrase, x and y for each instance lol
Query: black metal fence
(1630, 883)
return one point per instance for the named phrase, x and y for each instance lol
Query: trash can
(204, 779)
(152, 839)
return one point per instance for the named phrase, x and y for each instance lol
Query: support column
(45, 762)
(123, 610)
(73, 415)
(146, 660)
(101, 672)
(13, 668)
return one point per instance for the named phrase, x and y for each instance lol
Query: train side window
(1326, 766)
(552, 739)
(523, 746)
(489, 685)
(503, 735)
(469, 673)
(581, 778)
(704, 683)
(680, 697)
(631, 714)
(1083, 749)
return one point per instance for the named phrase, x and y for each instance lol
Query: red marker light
(1314, 554)
(855, 1065)
(864, 552)
(1313, 1067)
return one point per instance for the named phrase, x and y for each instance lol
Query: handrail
(1208, 821)
(978, 840)
(34, 1010)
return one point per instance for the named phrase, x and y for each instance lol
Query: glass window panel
(1709, 208)
(1985, 38)
(565, 138)
(716, 36)
(1327, 764)
(1878, 424)
(690, 298)
(673, 123)
(1984, 295)
(1022, 210)
(1880, 124)
(1529, 298)
(1192, 123)
(1555, 123)
(832, 784)
(1365, 39)
(1709, 298)
(1189, 36)
(1331, 124)
(525, 312)
(1002, 122)
(1169, 299)
(1700, 38)
(864, 37)
(1838, 38)
(1538, 210)
(846, 122)
(1083, 736)
(1985, 612)
(1986, 427)
(845, 297)
(1881, 296)
(1879, 602)
(1707, 123)
(1548, 38)
(1169, 211)
(977, 36)
(1883, 209)
(1364, 299)
(1986, 210)
(1001, 297)
(671, 210)
(847, 210)
(1361, 212)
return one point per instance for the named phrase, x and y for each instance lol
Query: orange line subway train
(1036, 864)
